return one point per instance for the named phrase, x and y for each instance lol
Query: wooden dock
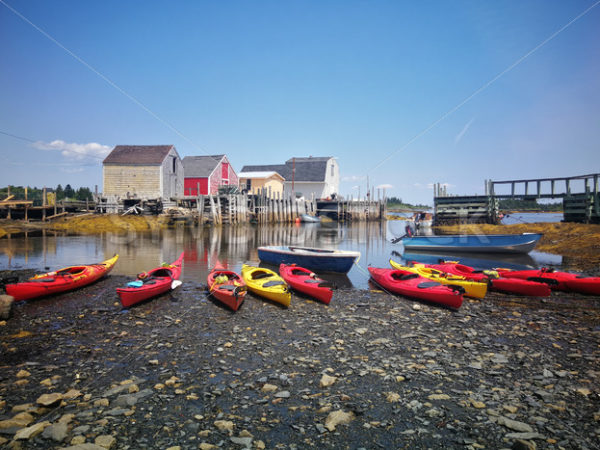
(580, 196)
(11, 208)
(275, 208)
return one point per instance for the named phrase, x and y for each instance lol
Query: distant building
(318, 177)
(253, 182)
(143, 172)
(204, 174)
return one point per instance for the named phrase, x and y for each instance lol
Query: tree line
(528, 205)
(36, 195)
(395, 202)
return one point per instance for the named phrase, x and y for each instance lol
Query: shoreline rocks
(369, 370)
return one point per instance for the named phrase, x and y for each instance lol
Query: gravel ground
(368, 371)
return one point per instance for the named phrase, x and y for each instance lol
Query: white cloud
(73, 150)
(354, 178)
(460, 135)
(384, 186)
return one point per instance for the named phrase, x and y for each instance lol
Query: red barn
(207, 173)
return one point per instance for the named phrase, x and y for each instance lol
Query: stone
(224, 425)
(438, 397)
(6, 302)
(83, 446)
(514, 425)
(18, 420)
(393, 397)
(283, 394)
(79, 440)
(244, 441)
(327, 381)
(477, 404)
(105, 441)
(32, 431)
(56, 432)
(102, 402)
(338, 417)
(71, 394)
(525, 436)
(49, 399)
(207, 446)
(269, 388)
(23, 374)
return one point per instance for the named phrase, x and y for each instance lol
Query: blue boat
(474, 243)
(317, 259)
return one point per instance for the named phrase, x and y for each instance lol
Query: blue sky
(264, 81)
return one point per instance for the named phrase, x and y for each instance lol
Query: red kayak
(412, 285)
(508, 285)
(305, 281)
(150, 284)
(226, 286)
(62, 280)
(562, 281)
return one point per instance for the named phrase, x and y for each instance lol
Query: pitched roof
(263, 174)
(138, 154)
(307, 169)
(281, 169)
(200, 166)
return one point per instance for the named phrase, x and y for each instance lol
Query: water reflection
(203, 246)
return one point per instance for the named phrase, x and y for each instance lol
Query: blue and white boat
(317, 259)
(474, 243)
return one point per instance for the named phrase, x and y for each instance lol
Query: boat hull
(304, 281)
(511, 286)
(316, 259)
(266, 284)
(474, 289)
(562, 281)
(416, 287)
(62, 280)
(481, 243)
(230, 291)
(155, 282)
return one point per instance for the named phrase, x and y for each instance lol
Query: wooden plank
(55, 216)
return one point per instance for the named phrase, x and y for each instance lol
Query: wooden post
(213, 209)
(219, 209)
(26, 206)
(200, 207)
(44, 204)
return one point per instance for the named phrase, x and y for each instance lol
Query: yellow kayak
(472, 288)
(267, 284)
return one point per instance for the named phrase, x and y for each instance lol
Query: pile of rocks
(368, 371)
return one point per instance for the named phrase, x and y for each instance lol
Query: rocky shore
(368, 371)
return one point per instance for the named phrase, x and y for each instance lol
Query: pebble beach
(370, 370)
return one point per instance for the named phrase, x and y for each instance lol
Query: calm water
(235, 245)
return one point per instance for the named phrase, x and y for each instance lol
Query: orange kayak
(62, 280)
(226, 286)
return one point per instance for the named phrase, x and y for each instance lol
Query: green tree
(60, 192)
(69, 192)
(84, 193)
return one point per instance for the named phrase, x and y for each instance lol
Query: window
(332, 169)
(174, 164)
(249, 184)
